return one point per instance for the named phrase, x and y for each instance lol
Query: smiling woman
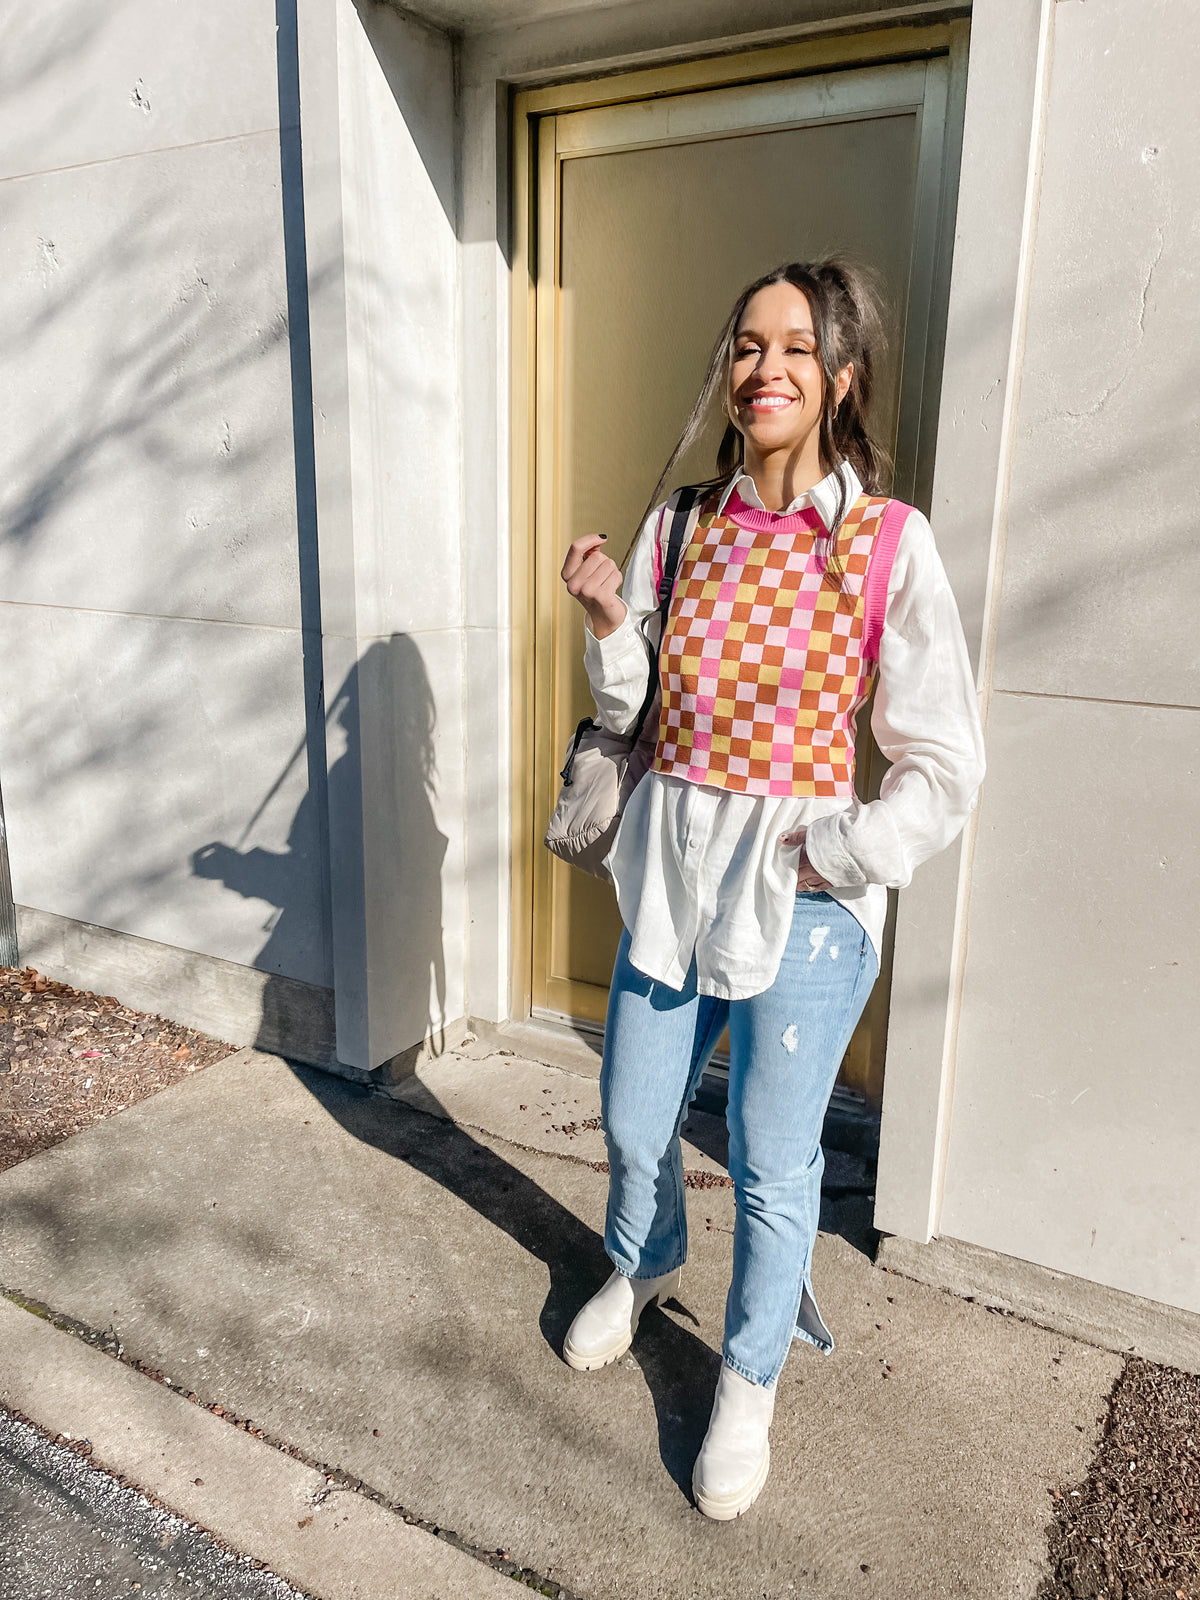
(796, 390)
(750, 878)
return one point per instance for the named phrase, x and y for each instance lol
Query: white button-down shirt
(702, 870)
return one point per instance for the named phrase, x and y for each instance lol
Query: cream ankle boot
(735, 1457)
(604, 1329)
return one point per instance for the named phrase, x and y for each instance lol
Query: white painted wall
(151, 619)
(154, 607)
(980, 380)
(378, 109)
(1077, 1101)
(1028, 977)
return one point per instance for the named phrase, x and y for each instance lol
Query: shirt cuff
(623, 643)
(826, 850)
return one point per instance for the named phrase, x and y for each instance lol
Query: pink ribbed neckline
(807, 518)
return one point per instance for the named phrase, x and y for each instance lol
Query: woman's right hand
(594, 578)
(808, 879)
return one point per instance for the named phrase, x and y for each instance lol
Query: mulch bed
(1131, 1530)
(69, 1058)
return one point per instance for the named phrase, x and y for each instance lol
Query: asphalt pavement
(69, 1531)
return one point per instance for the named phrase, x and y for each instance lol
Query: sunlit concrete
(387, 1291)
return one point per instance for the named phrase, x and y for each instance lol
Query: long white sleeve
(925, 721)
(618, 667)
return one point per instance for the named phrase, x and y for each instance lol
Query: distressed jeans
(786, 1045)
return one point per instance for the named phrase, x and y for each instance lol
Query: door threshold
(851, 1121)
(574, 1045)
(554, 1041)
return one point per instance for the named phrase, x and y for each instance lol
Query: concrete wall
(1077, 1097)
(155, 628)
(192, 540)
(225, 732)
(378, 105)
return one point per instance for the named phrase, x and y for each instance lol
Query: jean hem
(748, 1373)
(646, 1277)
(817, 1344)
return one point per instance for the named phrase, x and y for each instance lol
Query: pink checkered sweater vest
(766, 656)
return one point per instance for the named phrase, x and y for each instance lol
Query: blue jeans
(786, 1045)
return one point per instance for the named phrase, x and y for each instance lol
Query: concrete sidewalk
(383, 1286)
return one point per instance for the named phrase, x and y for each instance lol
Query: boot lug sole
(724, 1508)
(595, 1359)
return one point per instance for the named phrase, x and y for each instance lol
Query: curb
(324, 1539)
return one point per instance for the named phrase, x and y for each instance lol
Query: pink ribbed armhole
(875, 594)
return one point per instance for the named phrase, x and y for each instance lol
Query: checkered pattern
(762, 663)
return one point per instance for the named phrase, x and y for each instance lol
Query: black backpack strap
(688, 499)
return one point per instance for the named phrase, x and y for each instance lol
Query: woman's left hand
(808, 879)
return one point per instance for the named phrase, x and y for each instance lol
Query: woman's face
(776, 383)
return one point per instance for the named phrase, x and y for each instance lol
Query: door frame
(530, 111)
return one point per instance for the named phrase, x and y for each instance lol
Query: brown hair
(849, 330)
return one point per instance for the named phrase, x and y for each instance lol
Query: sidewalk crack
(693, 1177)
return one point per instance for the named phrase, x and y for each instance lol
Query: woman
(751, 881)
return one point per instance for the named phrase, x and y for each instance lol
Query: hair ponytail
(849, 332)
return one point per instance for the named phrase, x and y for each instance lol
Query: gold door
(645, 219)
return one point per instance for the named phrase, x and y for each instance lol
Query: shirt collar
(823, 496)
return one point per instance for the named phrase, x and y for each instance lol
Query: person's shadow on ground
(680, 1369)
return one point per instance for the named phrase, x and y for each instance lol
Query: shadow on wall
(156, 508)
(399, 918)
(148, 532)
(158, 551)
(410, 52)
